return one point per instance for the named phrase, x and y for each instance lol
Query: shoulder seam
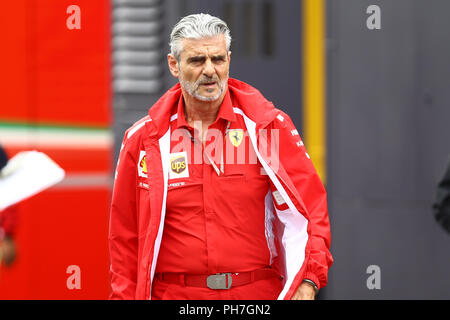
(136, 127)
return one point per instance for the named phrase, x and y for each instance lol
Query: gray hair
(197, 26)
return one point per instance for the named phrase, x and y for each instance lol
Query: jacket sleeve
(301, 171)
(123, 237)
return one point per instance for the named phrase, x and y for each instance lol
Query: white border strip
(56, 138)
(85, 180)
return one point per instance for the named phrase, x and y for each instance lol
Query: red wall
(58, 77)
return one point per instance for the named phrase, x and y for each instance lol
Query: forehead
(204, 46)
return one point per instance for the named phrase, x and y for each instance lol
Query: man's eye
(218, 59)
(196, 60)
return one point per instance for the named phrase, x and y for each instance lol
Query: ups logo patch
(178, 165)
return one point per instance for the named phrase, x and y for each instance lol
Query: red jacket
(301, 226)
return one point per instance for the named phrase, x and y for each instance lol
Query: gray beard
(192, 88)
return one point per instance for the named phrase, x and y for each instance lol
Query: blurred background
(373, 107)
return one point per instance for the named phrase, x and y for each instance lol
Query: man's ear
(173, 65)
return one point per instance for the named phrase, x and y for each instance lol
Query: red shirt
(214, 223)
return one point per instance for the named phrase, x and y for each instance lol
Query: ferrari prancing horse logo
(236, 136)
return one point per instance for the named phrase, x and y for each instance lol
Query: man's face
(203, 67)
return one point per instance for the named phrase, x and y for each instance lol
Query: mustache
(206, 79)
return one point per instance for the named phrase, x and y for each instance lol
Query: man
(215, 196)
(441, 205)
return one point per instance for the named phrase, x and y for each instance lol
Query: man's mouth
(209, 84)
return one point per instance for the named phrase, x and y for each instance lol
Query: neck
(204, 111)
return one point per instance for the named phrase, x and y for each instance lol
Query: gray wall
(388, 143)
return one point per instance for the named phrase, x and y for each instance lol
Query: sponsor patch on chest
(142, 165)
(236, 136)
(178, 165)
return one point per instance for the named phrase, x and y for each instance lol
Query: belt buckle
(219, 281)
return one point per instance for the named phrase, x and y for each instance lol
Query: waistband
(219, 280)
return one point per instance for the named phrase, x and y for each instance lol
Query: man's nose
(209, 70)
